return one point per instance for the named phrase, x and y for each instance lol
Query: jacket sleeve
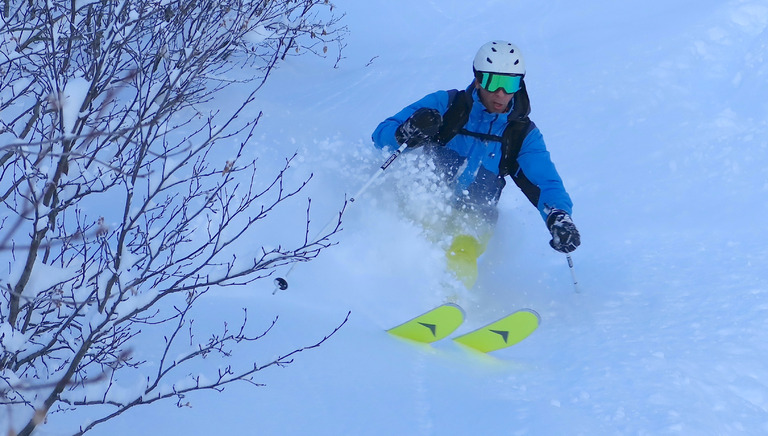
(536, 164)
(384, 135)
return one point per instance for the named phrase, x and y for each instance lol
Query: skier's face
(496, 102)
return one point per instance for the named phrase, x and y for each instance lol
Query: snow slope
(656, 115)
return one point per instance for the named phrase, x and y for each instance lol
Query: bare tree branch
(128, 198)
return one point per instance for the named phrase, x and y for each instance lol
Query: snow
(12, 340)
(75, 92)
(258, 35)
(45, 276)
(656, 115)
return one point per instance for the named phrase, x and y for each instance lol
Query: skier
(476, 137)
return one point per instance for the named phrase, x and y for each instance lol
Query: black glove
(420, 127)
(565, 236)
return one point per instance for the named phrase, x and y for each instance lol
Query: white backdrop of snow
(656, 115)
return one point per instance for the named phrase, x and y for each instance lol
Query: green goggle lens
(491, 82)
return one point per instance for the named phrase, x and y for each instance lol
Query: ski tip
(503, 332)
(533, 312)
(432, 325)
(456, 306)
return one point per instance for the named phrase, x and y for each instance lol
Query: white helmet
(499, 57)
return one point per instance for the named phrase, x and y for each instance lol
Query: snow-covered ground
(656, 115)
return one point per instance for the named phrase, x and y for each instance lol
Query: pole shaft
(573, 273)
(281, 283)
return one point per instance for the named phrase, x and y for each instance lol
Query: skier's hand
(420, 127)
(565, 236)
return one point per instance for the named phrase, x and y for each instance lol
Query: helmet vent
(489, 60)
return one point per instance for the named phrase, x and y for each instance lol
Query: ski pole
(281, 283)
(380, 171)
(573, 273)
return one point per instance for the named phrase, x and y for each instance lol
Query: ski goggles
(492, 82)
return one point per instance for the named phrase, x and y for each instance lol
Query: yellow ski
(503, 333)
(431, 326)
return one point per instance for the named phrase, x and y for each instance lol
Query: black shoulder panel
(457, 115)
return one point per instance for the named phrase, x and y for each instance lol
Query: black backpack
(518, 126)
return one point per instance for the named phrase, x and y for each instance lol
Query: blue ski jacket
(471, 163)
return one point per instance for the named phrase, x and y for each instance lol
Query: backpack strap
(456, 116)
(514, 135)
(518, 127)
